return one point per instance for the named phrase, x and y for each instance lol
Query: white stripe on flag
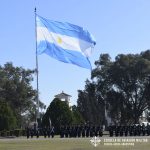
(64, 41)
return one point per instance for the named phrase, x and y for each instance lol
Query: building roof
(62, 94)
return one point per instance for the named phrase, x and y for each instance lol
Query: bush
(11, 132)
(8, 133)
(3, 133)
(16, 132)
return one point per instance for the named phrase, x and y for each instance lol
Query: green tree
(7, 118)
(127, 77)
(59, 113)
(77, 117)
(118, 111)
(89, 104)
(17, 91)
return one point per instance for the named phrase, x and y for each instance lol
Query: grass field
(69, 144)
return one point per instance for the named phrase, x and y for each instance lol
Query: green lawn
(64, 144)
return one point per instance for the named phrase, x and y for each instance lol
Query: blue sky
(119, 26)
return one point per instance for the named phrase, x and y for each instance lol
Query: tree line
(120, 86)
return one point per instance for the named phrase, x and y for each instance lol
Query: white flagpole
(37, 71)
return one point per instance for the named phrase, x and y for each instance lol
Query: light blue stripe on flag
(64, 41)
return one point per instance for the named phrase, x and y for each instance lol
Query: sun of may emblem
(59, 40)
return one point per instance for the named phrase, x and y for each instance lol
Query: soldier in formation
(80, 131)
(132, 130)
(46, 132)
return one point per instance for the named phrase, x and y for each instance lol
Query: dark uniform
(91, 131)
(79, 129)
(131, 130)
(100, 131)
(32, 132)
(139, 130)
(143, 129)
(87, 131)
(110, 130)
(52, 131)
(45, 132)
(37, 133)
(148, 129)
(62, 131)
(72, 131)
(48, 132)
(28, 132)
(83, 131)
(66, 132)
(121, 130)
(116, 131)
(126, 130)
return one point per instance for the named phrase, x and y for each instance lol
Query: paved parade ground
(104, 143)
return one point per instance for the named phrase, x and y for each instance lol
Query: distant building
(64, 97)
(144, 116)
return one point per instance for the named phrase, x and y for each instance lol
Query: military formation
(133, 130)
(46, 132)
(80, 131)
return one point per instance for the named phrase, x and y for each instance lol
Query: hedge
(15, 132)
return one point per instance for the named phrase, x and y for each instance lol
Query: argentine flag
(64, 41)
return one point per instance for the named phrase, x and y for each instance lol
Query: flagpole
(37, 71)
